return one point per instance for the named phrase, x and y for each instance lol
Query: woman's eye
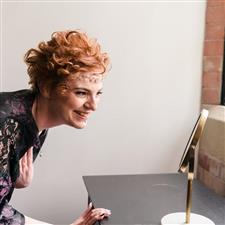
(81, 93)
(99, 93)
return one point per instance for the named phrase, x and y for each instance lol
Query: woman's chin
(80, 124)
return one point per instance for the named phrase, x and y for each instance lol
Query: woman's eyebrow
(80, 88)
(85, 89)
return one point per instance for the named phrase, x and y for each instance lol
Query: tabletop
(146, 198)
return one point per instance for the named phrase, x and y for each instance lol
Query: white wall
(151, 96)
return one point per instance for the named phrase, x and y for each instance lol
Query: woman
(66, 75)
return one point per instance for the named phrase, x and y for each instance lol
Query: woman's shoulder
(16, 103)
(18, 95)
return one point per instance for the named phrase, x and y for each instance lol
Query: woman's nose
(91, 104)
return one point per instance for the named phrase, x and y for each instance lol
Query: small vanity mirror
(187, 165)
(193, 140)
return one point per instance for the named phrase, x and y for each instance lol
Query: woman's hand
(26, 170)
(90, 216)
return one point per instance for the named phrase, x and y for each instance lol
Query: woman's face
(75, 107)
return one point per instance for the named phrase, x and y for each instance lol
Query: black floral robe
(18, 132)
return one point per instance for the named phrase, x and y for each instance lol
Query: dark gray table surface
(146, 198)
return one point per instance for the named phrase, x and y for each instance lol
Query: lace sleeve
(9, 171)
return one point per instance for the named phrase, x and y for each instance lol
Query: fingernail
(90, 205)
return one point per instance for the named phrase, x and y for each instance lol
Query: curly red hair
(67, 55)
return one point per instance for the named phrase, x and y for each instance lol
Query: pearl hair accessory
(94, 78)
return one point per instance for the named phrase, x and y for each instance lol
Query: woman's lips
(82, 115)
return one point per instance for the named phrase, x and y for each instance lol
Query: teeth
(81, 113)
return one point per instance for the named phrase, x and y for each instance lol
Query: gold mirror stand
(190, 181)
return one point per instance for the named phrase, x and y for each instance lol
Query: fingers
(23, 164)
(93, 219)
(96, 214)
(26, 168)
(30, 157)
(27, 159)
(101, 211)
(21, 167)
(90, 216)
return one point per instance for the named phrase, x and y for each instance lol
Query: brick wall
(211, 157)
(211, 172)
(213, 52)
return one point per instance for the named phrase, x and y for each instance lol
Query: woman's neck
(42, 114)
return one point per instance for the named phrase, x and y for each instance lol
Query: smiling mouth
(82, 115)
